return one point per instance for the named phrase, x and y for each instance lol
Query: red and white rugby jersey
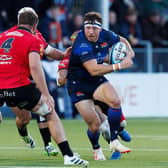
(63, 64)
(15, 46)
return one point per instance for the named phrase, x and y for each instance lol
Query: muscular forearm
(98, 69)
(54, 53)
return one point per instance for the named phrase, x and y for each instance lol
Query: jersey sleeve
(36, 46)
(63, 64)
(111, 37)
(84, 51)
(43, 41)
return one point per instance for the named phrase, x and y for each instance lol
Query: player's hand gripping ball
(117, 52)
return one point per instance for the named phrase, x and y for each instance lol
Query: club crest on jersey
(104, 44)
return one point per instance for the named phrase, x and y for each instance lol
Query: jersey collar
(24, 28)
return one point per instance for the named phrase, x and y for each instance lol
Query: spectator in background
(75, 23)
(113, 25)
(51, 29)
(153, 29)
(12, 7)
(121, 7)
(149, 5)
(130, 28)
(3, 20)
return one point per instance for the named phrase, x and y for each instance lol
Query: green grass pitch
(149, 145)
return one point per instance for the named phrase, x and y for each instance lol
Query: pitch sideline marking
(87, 149)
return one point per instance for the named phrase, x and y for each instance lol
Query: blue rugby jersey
(83, 50)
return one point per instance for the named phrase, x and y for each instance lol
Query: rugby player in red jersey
(53, 53)
(20, 59)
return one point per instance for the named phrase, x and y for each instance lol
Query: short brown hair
(93, 16)
(27, 16)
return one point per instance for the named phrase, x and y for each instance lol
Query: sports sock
(114, 118)
(46, 136)
(94, 138)
(121, 129)
(65, 149)
(122, 117)
(23, 131)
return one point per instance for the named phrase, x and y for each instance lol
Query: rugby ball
(117, 52)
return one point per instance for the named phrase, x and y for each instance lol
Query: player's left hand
(126, 63)
(50, 102)
(61, 81)
(67, 52)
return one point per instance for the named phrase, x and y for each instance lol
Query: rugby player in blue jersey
(86, 81)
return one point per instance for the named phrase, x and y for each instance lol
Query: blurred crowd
(136, 20)
(141, 20)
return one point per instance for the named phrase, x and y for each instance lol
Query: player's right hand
(126, 63)
(50, 102)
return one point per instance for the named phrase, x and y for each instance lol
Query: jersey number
(7, 45)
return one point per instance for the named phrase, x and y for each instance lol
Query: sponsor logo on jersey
(83, 45)
(4, 59)
(79, 94)
(84, 53)
(14, 33)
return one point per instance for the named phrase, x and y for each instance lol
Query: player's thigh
(87, 111)
(106, 93)
(22, 114)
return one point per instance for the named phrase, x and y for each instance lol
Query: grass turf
(149, 145)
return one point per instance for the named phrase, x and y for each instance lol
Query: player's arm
(130, 51)
(100, 69)
(106, 59)
(55, 53)
(38, 76)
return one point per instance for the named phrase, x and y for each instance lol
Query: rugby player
(86, 82)
(20, 58)
(100, 107)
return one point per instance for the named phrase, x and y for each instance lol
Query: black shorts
(25, 97)
(82, 90)
(104, 107)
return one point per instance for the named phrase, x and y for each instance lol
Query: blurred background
(143, 88)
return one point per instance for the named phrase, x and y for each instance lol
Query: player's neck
(25, 27)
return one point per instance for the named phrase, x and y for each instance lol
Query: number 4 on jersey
(7, 44)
